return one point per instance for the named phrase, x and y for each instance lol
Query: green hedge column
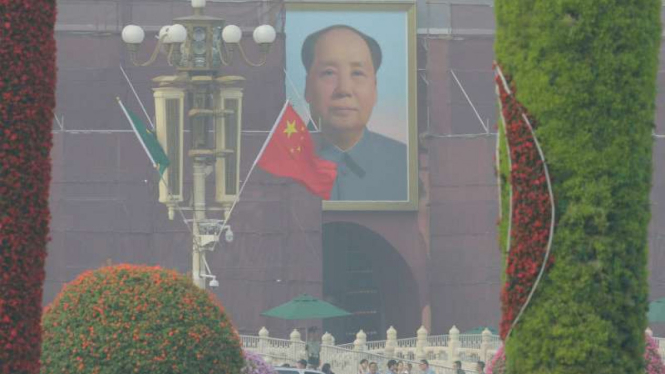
(586, 71)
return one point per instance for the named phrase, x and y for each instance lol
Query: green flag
(148, 140)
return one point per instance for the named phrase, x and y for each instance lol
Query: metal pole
(199, 193)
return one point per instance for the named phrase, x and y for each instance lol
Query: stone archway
(364, 274)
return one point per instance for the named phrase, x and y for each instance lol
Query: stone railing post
(359, 343)
(391, 342)
(453, 344)
(327, 339)
(263, 340)
(421, 343)
(296, 353)
(485, 344)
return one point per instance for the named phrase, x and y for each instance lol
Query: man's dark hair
(482, 364)
(424, 362)
(391, 363)
(458, 363)
(309, 45)
(303, 362)
(363, 360)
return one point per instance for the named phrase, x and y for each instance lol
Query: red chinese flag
(290, 153)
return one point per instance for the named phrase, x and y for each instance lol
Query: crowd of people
(313, 350)
(393, 367)
(399, 367)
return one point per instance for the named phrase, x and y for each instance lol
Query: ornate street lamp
(198, 46)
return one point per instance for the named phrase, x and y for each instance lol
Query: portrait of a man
(349, 75)
(341, 90)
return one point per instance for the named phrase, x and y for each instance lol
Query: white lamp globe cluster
(132, 34)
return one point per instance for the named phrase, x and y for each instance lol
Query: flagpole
(265, 143)
(251, 169)
(161, 176)
(137, 97)
(136, 132)
(293, 87)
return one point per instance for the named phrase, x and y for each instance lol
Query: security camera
(214, 283)
(228, 236)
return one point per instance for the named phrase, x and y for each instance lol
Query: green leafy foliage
(137, 319)
(586, 69)
(504, 192)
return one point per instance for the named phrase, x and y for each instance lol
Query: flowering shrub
(531, 207)
(254, 364)
(137, 319)
(653, 361)
(27, 85)
(498, 363)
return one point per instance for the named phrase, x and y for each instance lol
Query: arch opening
(365, 275)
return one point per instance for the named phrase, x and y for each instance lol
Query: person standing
(392, 367)
(326, 369)
(363, 366)
(301, 364)
(313, 349)
(400, 367)
(424, 367)
(480, 367)
(458, 368)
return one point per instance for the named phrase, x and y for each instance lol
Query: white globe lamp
(198, 3)
(132, 34)
(264, 34)
(231, 34)
(163, 34)
(176, 33)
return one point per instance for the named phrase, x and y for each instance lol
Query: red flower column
(531, 206)
(27, 83)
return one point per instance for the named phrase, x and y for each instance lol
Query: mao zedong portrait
(341, 90)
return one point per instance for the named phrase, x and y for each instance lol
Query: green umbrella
(657, 311)
(480, 329)
(305, 307)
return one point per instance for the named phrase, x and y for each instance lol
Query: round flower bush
(254, 364)
(653, 360)
(137, 319)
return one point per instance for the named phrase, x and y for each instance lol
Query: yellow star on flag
(290, 128)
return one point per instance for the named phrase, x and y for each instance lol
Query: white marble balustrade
(440, 351)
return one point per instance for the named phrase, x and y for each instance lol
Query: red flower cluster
(27, 98)
(531, 208)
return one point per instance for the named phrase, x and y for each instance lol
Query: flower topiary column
(585, 71)
(27, 84)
